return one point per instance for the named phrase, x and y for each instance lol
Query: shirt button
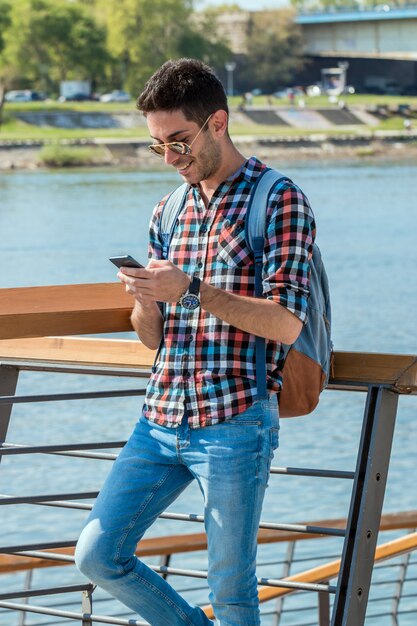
(203, 228)
(200, 265)
(190, 338)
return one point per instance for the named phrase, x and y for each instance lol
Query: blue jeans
(230, 462)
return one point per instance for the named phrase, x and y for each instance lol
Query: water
(60, 227)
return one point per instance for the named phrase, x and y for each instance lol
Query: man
(201, 418)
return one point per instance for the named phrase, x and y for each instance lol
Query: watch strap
(194, 287)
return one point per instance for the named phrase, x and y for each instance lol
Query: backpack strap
(169, 215)
(255, 226)
(167, 222)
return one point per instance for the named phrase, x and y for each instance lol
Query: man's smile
(181, 168)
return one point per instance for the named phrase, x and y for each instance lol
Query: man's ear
(219, 122)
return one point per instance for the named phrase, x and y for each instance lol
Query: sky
(249, 5)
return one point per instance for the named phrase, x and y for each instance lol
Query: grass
(234, 101)
(15, 129)
(395, 123)
(323, 101)
(21, 131)
(88, 106)
(67, 156)
(365, 151)
(259, 130)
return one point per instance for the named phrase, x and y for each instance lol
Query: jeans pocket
(247, 420)
(253, 416)
(274, 438)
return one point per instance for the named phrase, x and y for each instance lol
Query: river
(60, 227)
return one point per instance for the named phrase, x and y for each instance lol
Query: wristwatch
(190, 299)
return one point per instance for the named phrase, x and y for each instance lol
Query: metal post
(324, 608)
(230, 68)
(8, 383)
(28, 585)
(165, 562)
(285, 572)
(87, 605)
(399, 588)
(365, 508)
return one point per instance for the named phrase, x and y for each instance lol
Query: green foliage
(274, 50)
(143, 34)
(59, 155)
(324, 5)
(200, 40)
(52, 40)
(120, 43)
(223, 8)
(5, 21)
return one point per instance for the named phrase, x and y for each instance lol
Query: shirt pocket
(232, 247)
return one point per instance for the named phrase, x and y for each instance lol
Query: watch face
(190, 301)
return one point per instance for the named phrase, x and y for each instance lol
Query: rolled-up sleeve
(155, 248)
(155, 243)
(290, 234)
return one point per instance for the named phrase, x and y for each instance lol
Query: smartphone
(125, 260)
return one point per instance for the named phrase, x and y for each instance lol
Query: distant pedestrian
(248, 98)
(407, 124)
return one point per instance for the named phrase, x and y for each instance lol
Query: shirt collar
(249, 171)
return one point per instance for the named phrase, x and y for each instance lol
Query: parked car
(24, 95)
(77, 97)
(115, 96)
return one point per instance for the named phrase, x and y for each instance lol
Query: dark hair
(185, 84)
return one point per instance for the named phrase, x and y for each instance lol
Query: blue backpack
(307, 361)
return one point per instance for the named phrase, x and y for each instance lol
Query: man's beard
(207, 162)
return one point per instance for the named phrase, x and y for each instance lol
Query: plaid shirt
(206, 366)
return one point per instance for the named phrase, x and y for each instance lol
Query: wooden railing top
(350, 368)
(29, 316)
(64, 310)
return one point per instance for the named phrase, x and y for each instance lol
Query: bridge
(384, 32)
(378, 43)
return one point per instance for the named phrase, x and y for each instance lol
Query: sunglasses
(180, 147)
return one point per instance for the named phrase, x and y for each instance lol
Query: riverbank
(106, 152)
(119, 153)
(75, 137)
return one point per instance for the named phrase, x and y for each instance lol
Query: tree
(143, 34)
(5, 22)
(52, 40)
(195, 44)
(324, 5)
(274, 50)
(201, 40)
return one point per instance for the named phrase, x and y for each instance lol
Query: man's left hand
(160, 281)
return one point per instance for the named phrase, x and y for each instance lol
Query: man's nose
(170, 156)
